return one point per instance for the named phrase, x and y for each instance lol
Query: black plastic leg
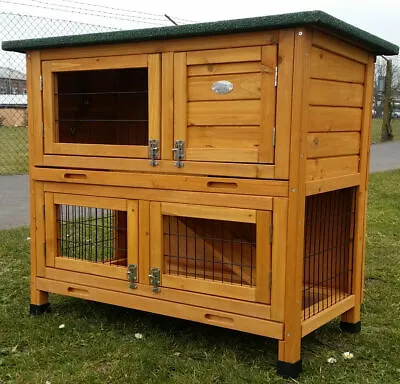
(36, 310)
(350, 327)
(288, 370)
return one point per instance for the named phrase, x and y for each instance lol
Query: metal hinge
(41, 83)
(154, 152)
(155, 279)
(270, 233)
(276, 77)
(132, 276)
(273, 137)
(179, 153)
(270, 280)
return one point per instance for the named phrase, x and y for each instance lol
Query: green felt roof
(316, 18)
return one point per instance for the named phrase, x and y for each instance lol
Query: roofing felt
(315, 18)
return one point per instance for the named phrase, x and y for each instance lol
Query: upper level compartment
(100, 106)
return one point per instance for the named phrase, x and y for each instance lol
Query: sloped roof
(316, 18)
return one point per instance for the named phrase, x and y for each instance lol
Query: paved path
(14, 194)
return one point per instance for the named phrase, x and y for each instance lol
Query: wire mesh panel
(92, 234)
(215, 250)
(328, 249)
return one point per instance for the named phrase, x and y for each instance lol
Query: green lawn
(98, 345)
(377, 129)
(13, 150)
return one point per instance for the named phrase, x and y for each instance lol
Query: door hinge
(41, 83)
(270, 233)
(132, 276)
(276, 77)
(270, 280)
(154, 152)
(179, 153)
(273, 136)
(155, 279)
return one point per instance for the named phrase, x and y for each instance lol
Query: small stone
(61, 326)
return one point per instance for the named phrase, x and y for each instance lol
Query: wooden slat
(217, 199)
(170, 45)
(112, 271)
(51, 229)
(228, 68)
(103, 150)
(244, 155)
(165, 166)
(339, 46)
(245, 86)
(237, 112)
(209, 287)
(209, 212)
(332, 144)
(323, 168)
(329, 66)
(163, 307)
(327, 315)
(230, 305)
(155, 181)
(132, 211)
(231, 55)
(263, 257)
(180, 96)
(154, 81)
(87, 64)
(144, 242)
(90, 201)
(329, 119)
(268, 103)
(156, 237)
(278, 268)
(332, 184)
(49, 113)
(238, 137)
(284, 103)
(333, 93)
(167, 112)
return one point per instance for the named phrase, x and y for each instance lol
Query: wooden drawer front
(220, 125)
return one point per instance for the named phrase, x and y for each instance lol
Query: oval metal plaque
(222, 87)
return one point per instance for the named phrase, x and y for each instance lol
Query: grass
(377, 128)
(98, 345)
(13, 150)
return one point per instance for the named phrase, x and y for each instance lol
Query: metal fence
(13, 98)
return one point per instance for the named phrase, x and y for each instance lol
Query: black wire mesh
(328, 249)
(92, 234)
(210, 249)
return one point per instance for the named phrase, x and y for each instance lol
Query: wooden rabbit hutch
(213, 172)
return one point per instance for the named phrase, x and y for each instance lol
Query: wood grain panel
(245, 86)
(329, 66)
(224, 69)
(331, 167)
(224, 137)
(231, 55)
(243, 155)
(333, 93)
(235, 112)
(327, 119)
(332, 144)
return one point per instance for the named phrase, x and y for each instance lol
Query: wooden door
(103, 106)
(95, 235)
(212, 250)
(224, 104)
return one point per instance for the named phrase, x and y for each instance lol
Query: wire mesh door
(212, 250)
(90, 234)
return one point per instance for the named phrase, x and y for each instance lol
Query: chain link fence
(13, 98)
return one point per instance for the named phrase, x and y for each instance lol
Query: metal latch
(179, 153)
(132, 276)
(154, 151)
(155, 275)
